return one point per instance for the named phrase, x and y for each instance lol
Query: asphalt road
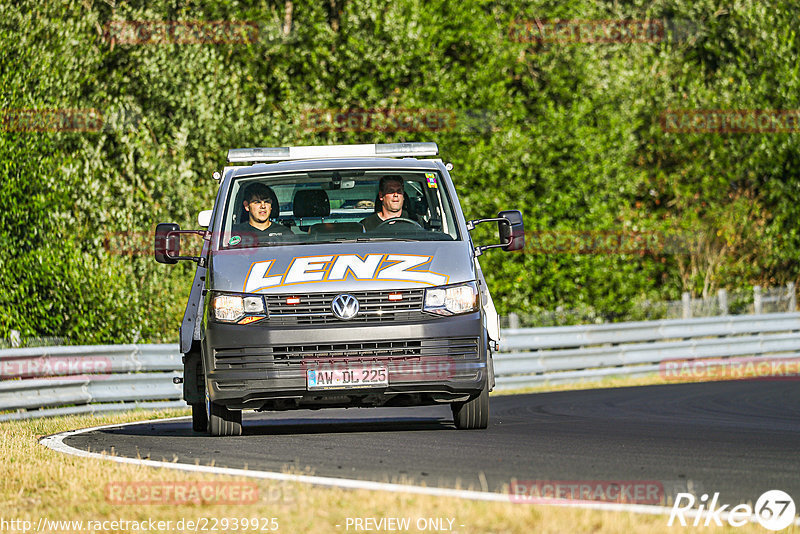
(738, 438)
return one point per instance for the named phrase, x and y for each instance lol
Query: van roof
(375, 150)
(335, 164)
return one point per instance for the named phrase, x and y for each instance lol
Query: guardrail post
(686, 299)
(792, 296)
(757, 300)
(513, 320)
(15, 338)
(722, 297)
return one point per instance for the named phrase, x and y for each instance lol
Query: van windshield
(337, 206)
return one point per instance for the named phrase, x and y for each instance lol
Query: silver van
(337, 276)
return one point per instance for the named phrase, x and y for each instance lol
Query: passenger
(390, 198)
(258, 203)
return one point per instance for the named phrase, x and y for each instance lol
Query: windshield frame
(448, 206)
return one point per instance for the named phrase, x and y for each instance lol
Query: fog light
(253, 305)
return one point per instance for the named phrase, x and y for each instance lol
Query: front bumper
(260, 366)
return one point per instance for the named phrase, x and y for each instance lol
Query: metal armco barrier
(50, 381)
(535, 356)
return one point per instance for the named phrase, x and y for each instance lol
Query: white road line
(56, 443)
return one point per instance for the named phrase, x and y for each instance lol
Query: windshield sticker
(431, 180)
(371, 267)
(234, 240)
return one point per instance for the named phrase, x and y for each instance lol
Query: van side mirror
(510, 227)
(167, 246)
(167, 243)
(512, 230)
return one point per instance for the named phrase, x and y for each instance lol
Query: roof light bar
(285, 153)
(257, 154)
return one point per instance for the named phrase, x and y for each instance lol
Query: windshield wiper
(335, 240)
(398, 238)
(331, 241)
(356, 240)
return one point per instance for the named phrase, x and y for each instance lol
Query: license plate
(347, 377)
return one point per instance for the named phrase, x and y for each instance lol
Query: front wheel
(224, 422)
(473, 414)
(220, 421)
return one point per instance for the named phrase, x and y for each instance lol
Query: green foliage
(569, 133)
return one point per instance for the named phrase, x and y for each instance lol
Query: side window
(417, 203)
(233, 215)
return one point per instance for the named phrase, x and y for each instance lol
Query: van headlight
(233, 308)
(451, 300)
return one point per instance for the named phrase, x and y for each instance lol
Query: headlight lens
(452, 300)
(231, 308)
(228, 308)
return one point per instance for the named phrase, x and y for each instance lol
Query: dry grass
(37, 482)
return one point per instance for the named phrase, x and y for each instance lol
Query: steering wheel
(395, 220)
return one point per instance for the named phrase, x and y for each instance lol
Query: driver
(390, 202)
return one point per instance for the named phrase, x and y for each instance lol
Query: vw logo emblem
(345, 306)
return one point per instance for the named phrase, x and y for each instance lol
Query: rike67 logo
(774, 510)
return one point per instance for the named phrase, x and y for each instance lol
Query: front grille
(296, 356)
(375, 307)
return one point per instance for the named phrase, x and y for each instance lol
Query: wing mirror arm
(167, 247)
(510, 227)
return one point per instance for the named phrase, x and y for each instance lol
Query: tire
(199, 417)
(220, 421)
(224, 422)
(473, 414)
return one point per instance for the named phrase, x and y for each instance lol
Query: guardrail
(49, 381)
(535, 356)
